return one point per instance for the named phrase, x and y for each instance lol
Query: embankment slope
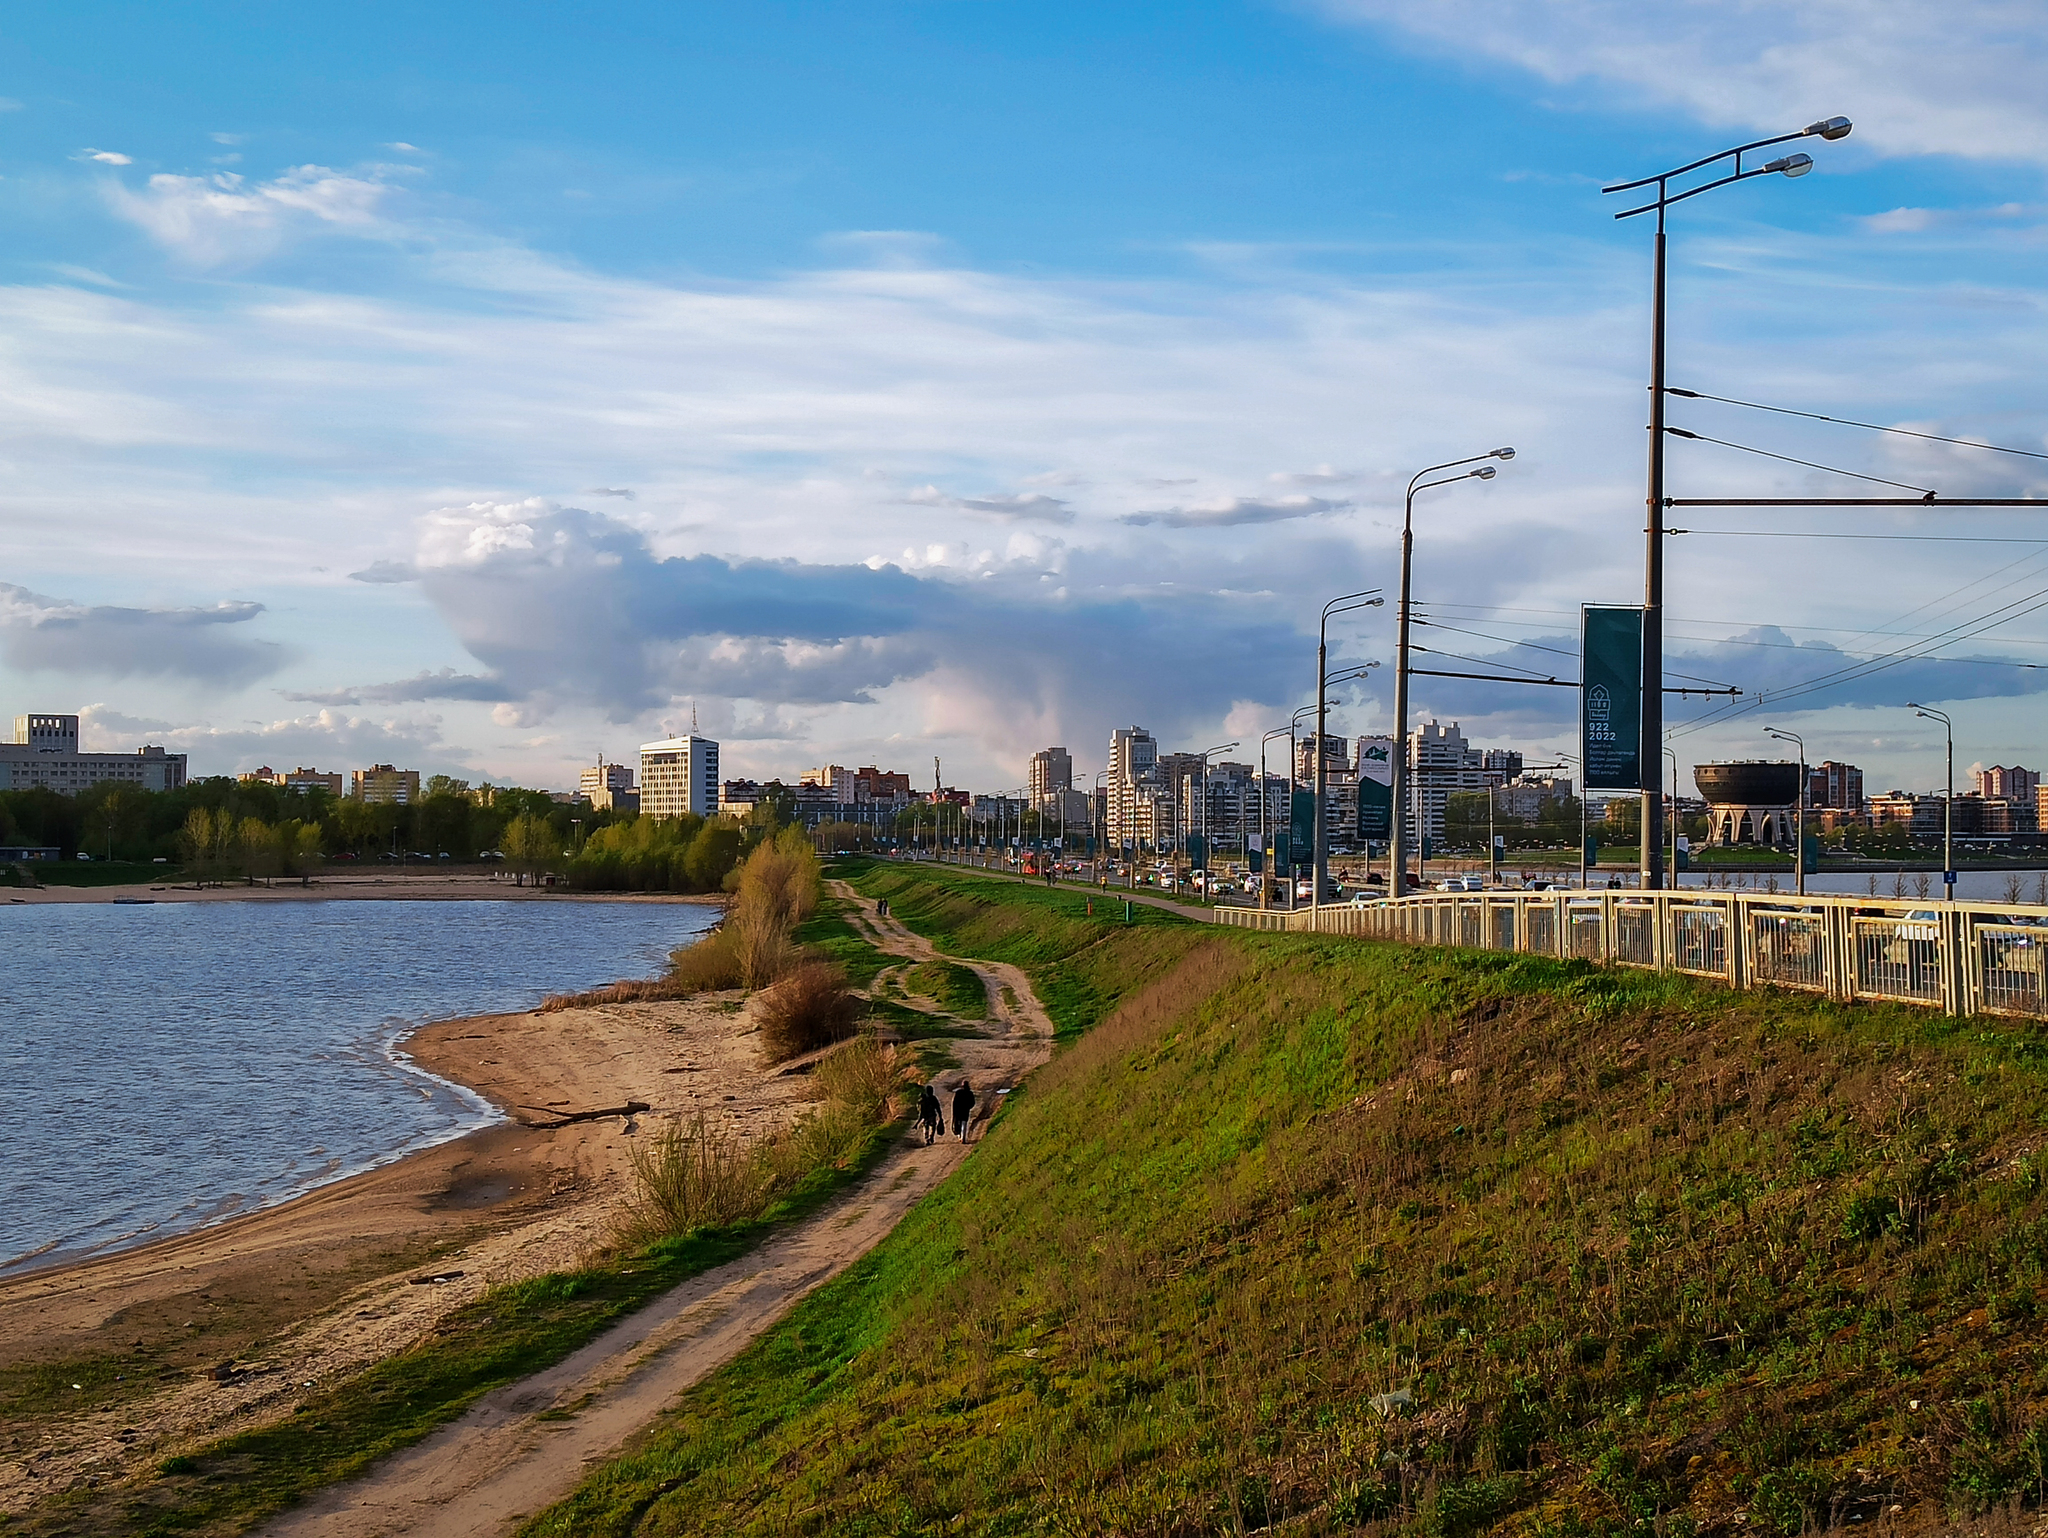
(1326, 1233)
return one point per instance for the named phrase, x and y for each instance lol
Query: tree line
(221, 829)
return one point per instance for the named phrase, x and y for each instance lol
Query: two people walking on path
(931, 1117)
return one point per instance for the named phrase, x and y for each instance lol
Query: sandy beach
(176, 1341)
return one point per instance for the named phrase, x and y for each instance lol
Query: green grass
(827, 933)
(1079, 964)
(1643, 1252)
(955, 988)
(338, 1431)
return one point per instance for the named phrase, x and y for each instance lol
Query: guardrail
(1962, 958)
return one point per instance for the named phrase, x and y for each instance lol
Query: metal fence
(1965, 958)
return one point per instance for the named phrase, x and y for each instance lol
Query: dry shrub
(809, 1008)
(695, 1175)
(706, 966)
(777, 890)
(860, 1082)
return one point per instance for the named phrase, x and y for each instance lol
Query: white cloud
(225, 217)
(1958, 77)
(107, 157)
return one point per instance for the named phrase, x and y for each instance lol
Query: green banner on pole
(1611, 697)
(1375, 787)
(1198, 852)
(1304, 826)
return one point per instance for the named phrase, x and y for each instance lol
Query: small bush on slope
(1640, 1251)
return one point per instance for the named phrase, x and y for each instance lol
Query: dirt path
(502, 1462)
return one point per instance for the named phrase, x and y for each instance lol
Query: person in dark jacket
(929, 1114)
(963, 1108)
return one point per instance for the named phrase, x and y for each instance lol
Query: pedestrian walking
(930, 1115)
(963, 1109)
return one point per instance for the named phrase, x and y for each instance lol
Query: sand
(321, 1286)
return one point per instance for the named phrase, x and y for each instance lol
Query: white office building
(678, 775)
(45, 753)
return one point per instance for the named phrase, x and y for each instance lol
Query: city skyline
(349, 431)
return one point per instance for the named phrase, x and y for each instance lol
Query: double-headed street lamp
(1799, 819)
(1653, 556)
(1398, 842)
(1948, 807)
(1367, 598)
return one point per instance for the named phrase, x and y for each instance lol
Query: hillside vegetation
(1313, 1235)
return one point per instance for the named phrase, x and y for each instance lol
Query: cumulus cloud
(1235, 511)
(54, 635)
(208, 220)
(107, 157)
(1960, 77)
(564, 605)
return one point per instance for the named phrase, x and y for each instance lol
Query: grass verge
(1318, 1234)
(338, 1432)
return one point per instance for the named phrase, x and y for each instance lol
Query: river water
(169, 1065)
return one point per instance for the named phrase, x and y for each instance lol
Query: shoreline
(178, 1339)
(349, 886)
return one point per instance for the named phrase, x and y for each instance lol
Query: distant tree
(712, 854)
(531, 845)
(443, 785)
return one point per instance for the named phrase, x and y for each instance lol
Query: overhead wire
(1815, 416)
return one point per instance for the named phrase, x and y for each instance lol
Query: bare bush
(809, 1008)
(695, 1175)
(707, 966)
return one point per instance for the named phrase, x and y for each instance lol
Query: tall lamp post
(1323, 682)
(1948, 807)
(1202, 791)
(1265, 804)
(1397, 843)
(1672, 754)
(1799, 818)
(1653, 553)
(1366, 598)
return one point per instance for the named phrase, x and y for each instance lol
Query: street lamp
(1397, 844)
(1948, 808)
(1265, 803)
(1672, 754)
(1799, 821)
(1653, 554)
(1364, 599)
(1203, 792)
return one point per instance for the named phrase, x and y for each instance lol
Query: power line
(1854, 475)
(1939, 539)
(1815, 416)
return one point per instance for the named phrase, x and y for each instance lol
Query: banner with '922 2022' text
(1611, 697)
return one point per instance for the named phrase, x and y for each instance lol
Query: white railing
(1964, 958)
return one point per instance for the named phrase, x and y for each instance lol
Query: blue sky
(487, 387)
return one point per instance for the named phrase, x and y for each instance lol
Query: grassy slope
(1641, 1250)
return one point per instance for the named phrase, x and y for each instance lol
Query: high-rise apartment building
(679, 775)
(2008, 784)
(1837, 786)
(1133, 789)
(1052, 770)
